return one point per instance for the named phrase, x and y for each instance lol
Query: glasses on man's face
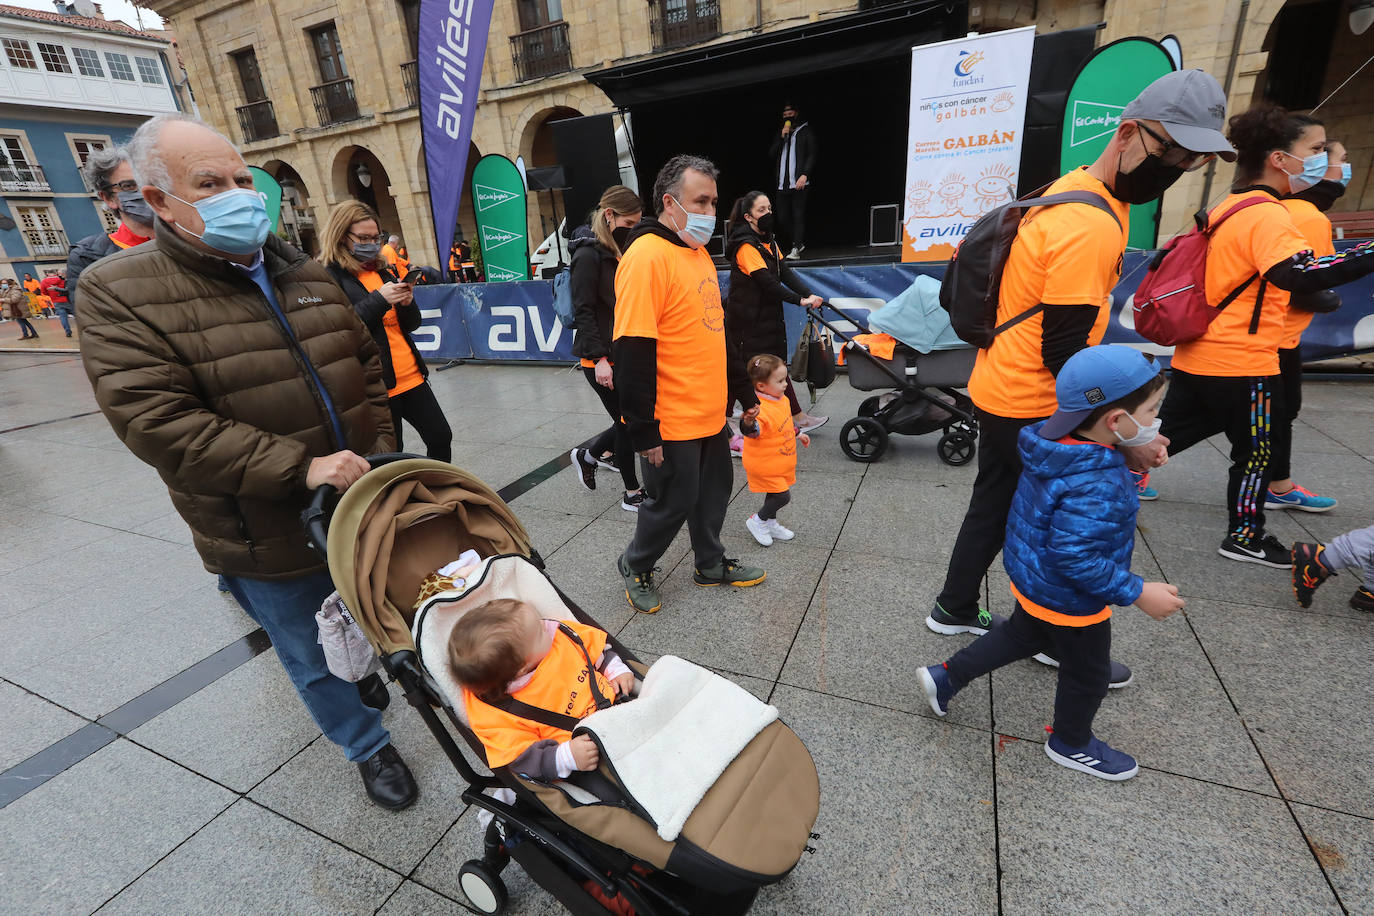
(1172, 154)
(365, 239)
(127, 185)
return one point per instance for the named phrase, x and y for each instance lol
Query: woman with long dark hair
(760, 282)
(351, 247)
(1228, 380)
(594, 262)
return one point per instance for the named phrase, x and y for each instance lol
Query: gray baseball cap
(1192, 108)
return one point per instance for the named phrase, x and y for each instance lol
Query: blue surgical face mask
(1144, 435)
(699, 229)
(1346, 173)
(1313, 171)
(235, 220)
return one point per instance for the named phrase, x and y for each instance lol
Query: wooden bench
(1356, 224)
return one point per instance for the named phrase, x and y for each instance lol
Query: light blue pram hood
(916, 319)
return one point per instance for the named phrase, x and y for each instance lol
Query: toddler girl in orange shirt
(770, 448)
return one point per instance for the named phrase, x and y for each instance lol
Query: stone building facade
(316, 89)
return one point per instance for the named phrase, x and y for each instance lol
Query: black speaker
(586, 151)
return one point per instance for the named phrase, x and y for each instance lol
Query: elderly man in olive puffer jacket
(236, 367)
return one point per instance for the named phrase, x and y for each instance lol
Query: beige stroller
(596, 852)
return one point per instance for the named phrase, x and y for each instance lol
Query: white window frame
(62, 50)
(54, 218)
(157, 70)
(81, 65)
(128, 65)
(73, 139)
(33, 58)
(108, 218)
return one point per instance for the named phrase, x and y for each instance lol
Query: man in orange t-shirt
(1061, 270)
(676, 372)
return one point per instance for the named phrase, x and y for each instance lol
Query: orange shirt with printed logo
(402, 360)
(559, 685)
(1316, 228)
(770, 459)
(1249, 242)
(1064, 255)
(670, 293)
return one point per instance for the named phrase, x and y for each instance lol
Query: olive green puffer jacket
(199, 379)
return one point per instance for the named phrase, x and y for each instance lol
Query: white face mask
(1144, 435)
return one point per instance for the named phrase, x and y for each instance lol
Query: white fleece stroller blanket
(670, 744)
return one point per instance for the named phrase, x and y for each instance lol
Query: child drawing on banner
(919, 198)
(952, 194)
(1003, 101)
(994, 187)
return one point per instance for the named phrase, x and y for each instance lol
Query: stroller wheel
(863, 439)
(956, 447)
(869, 406)
(485, 890)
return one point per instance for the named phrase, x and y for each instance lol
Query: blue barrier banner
(516, 320)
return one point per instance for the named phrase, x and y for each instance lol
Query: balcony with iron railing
(258, 121)
(23, 179)
(303, 217)
(410, 78)
(47, 243)
(335, 102)
(541, 52)
(677, 23)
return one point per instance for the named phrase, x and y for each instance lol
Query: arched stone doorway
(298, 215)
(536, 145)
(358, 174)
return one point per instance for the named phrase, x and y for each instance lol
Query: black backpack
(973, 280)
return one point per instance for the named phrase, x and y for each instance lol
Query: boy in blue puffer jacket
(1068, 550)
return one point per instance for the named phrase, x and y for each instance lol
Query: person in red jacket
(54, 286)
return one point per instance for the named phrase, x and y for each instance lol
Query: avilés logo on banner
(968, 108)
(453, 41)
(498, 194)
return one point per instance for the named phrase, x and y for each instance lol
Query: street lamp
(365, 177)
(1361, 15)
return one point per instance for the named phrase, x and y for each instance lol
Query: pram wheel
(863, 439)
(870, 406)
(485, 890)
(957, 446)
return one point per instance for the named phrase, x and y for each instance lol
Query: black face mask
(765, 224)
(1322, 195)
(1146, 182)
(621, 234)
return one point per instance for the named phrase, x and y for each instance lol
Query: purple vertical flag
(453, 43)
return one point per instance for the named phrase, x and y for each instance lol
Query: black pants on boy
(1085, 668)
(615, 439)
(421, 408)
(1245, 409)
(693, 485)
(791, 218)
(985, 522)
(773, 503)
(1290, 378)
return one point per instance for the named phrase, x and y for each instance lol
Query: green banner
(1106, 84)
(498, 201)
(268, 187)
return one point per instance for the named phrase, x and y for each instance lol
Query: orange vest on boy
(770, 460)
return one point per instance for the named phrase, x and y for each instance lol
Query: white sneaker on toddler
(760, 530)
(778, 531)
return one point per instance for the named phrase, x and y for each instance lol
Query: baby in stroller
(507, 657)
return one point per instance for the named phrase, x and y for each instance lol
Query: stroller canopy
(399, 523)
(917, 319)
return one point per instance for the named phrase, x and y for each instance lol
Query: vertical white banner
(968, 111)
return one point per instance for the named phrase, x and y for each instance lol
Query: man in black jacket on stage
(794, 158)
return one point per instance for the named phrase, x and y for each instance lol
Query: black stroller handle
(315, 517)
(815, 314)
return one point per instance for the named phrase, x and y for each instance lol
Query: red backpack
(1171, 304)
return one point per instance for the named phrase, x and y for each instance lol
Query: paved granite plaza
(206, 788)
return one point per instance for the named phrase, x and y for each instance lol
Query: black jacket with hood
(636, 367)
(754, 318)
(592, 282)
(372, 308)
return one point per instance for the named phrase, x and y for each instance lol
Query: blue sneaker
(1096, 757)
(1143, 489)
(1300, 498)
(935, 680)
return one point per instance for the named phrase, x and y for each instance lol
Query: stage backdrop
(968, 111)
(498, 195)
(453, 42)
(1106, 84)
(516, 320)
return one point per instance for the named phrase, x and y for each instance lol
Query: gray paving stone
(463, 841)
(239, 729)
(499, 464)
(320, 789)
(897, 517)
(865, 636)
(413, 899)
(1298, 712)
(31, 724)
(1154, 844)
(549, 530)
(248, 861)
(1344, 847)
(820, 503)
(564, 493)
(564, 430)
(72, 843)
(1348, 425)
(906, 819)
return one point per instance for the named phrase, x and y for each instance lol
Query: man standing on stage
(794, 158)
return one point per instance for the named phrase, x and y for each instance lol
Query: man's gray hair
(101, 164)
(146, 158)
(392, 240)
(669, 180)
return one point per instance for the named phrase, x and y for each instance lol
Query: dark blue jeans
(65, 315)
(286, 610)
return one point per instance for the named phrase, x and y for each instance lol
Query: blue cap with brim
(1092, 377)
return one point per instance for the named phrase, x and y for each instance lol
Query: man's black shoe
(372, 691)
(388, 781)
